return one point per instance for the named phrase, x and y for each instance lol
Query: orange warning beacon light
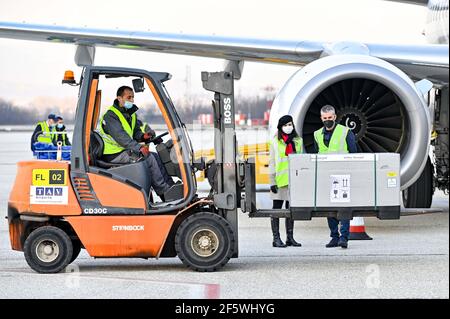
(69, 78)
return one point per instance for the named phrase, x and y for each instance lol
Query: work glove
(151, 132)
(147, 137)
(144, 151)
(274, 189)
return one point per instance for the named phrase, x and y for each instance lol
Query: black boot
(333, 243)
(343, 242)
(290, 241)
(277, 242)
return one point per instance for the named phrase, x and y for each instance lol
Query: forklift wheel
(205, 242)
(48, 249)
(76, 244)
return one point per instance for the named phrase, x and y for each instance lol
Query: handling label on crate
(354, 157)
(340, 189)
(392, 182)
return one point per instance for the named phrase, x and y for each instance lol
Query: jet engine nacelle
(375, 99)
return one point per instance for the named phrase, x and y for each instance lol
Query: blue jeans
(333, 224)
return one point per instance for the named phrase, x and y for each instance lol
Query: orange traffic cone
(358, 230)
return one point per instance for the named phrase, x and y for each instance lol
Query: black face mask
(328, 124)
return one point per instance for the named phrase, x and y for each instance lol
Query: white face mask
(287, 129)
(128, 105)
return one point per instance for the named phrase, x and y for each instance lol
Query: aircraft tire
(420, 194)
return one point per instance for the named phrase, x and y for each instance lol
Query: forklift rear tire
(48, 249)
(205, 242)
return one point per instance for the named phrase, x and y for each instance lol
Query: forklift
(56, 208)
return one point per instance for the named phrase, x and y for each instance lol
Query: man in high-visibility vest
(121, 136)
(60, 133)
(335, 138)
(43, 131)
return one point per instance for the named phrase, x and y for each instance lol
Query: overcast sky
(33, 70)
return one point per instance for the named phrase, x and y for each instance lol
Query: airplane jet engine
(379, 102)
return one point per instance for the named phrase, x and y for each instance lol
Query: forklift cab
(106, 208)
(125, 188)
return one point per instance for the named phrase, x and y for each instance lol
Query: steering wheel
(141, 158)
(158, 137)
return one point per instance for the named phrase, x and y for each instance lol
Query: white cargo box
(345, 183)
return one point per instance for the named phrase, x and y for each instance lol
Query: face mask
(287, 129)
(60, 126)
(128, 105)
(328, 123)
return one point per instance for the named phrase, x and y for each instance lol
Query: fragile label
(50, 195)
(340, 189)
(392, 182)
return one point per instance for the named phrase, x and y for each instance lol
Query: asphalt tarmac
(407, 258)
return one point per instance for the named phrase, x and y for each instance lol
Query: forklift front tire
(48, 249)
(205, 242)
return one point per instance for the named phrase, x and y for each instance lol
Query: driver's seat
(135, 173)
(96, 146)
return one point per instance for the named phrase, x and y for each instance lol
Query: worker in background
(43, 131)
(60, 133)
(285, 142)
(121, 135)
(334, 138)
(145, 128)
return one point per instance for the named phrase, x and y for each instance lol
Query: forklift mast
(227, 194)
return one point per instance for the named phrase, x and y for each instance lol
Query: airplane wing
(415, 2)
(418, 61)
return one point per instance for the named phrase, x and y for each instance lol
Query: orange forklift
(56, 208)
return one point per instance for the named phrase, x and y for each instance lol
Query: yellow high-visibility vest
(281, 160)
(110, 145)
(338, 141)
(63, 135)
(46, 136)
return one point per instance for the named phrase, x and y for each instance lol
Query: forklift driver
(121, 136)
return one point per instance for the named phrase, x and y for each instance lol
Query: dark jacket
(350, 139)
(34, 136)
(63, 138)
(111, 125)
